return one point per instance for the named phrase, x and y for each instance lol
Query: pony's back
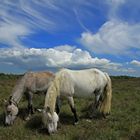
(37, 81)
(80, 82)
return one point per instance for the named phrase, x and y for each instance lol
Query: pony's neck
(18, 91)
(50, 99)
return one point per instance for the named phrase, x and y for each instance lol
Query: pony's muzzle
(9, 123)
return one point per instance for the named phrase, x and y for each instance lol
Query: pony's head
(11, 111)
(50, 120)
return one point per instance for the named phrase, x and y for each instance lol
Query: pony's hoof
(75, 123)
(39, 110)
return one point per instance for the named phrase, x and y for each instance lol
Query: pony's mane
(18, 90)
(53, 92)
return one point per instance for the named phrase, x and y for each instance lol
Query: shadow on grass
(36, 124)
(22, 113)
(2, 119)
(90, 112)
(66, 119)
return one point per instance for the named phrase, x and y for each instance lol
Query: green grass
(122, 124)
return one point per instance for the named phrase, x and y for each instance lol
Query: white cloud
(114, 37)
(19, 17)
(28, 13)
(49, 15)
(114, 2)
(67, 48)
(11, 32)
(135, 63)
(31, 58)
(24, 59)
(114, 6)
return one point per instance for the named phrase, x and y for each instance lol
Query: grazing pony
(80, 83)
(30, 83)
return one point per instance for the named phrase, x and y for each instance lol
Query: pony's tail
(105, 106)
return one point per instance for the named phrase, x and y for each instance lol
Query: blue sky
(77, 34)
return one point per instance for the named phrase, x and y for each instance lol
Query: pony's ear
(10, 97)
(10, 102)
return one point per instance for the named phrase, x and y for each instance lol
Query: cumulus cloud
(19, 18)
(25, 59)
(135, 63)
(31, 58)
(67, 48)
(114, 37)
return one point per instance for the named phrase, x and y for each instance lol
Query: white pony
(80, 83)
(30, 83)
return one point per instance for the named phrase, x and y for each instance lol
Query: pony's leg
(95, 105)
(30, 103)
(97, 100)
(73, 109)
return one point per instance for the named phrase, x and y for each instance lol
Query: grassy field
(122, 124)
